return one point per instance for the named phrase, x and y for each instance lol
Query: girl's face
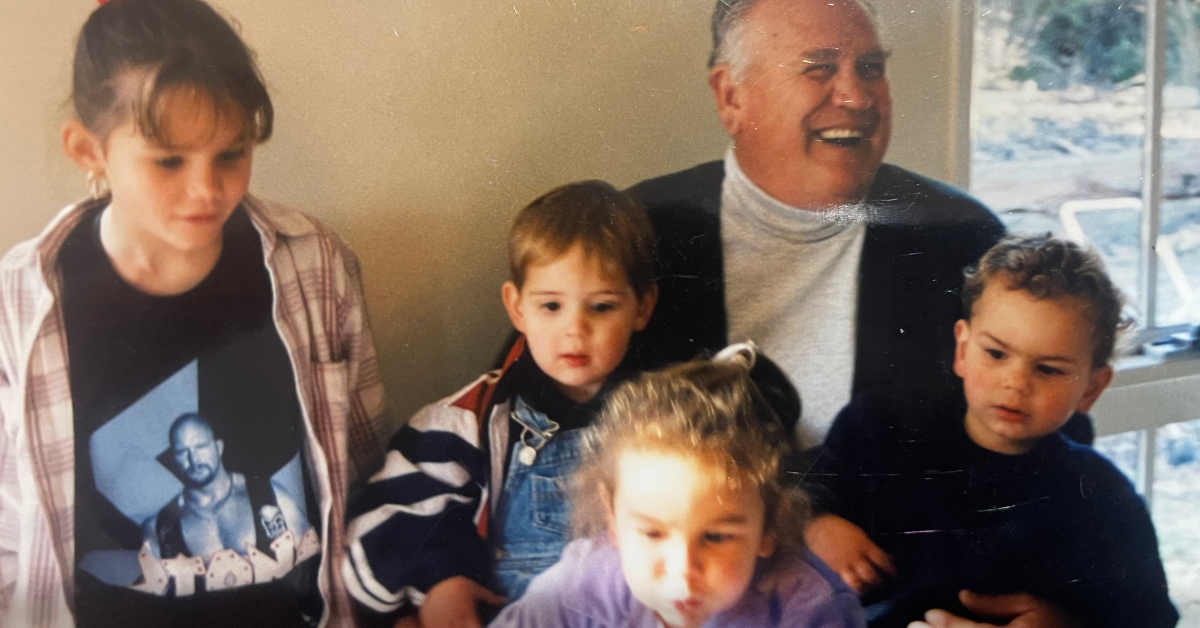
(178, 194)
(689, 540)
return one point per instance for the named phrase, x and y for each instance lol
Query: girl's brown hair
(707, 409)
(132, 52)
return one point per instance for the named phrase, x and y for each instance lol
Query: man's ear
(83, 147)
(220, 448)
(727, 91)
(511, 295)
(1097, 382)
(645, 308)
(962, 331)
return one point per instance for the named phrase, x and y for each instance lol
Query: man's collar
(757, 208)
(844, 214)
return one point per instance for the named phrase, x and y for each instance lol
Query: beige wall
(417, 127)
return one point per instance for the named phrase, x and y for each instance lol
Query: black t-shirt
(194, 505)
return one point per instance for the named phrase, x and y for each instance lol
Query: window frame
(1156, 82)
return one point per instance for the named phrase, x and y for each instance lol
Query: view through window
(1059, 128)
(1059, 124)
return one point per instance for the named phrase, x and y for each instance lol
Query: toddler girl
(684, 516)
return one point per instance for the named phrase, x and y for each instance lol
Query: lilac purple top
(586, 589)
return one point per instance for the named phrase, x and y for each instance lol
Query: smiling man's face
(810, 113)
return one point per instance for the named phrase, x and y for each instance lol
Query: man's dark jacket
(920, 237)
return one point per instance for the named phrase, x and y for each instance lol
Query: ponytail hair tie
(745, 353)
(778, 398)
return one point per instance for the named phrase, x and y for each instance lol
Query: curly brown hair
(1053, 268)
(711, 411)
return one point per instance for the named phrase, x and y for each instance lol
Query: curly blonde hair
(709, 410)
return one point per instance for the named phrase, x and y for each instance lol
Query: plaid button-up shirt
(321, 317)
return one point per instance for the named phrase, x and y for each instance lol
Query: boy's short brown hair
(1049, 268)
(605, 221)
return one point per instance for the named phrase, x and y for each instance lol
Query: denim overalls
(533, 515)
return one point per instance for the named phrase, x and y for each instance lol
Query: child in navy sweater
(950, 511)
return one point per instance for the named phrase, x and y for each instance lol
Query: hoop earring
(97, 185)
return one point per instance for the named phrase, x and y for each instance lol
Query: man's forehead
(192, 428)
(832, 24)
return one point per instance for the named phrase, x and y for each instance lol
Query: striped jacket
(423, 517)
(321, 318)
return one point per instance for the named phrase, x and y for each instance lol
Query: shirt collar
(50, 240)
(776, 217)
(271, 221)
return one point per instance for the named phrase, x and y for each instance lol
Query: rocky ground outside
(1035, 150)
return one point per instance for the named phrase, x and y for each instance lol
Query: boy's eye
(604, 306)
(170, 163)
(551, 306)
(995, 353)
(651, 534)
(716, 537)
(231, 155)
(1046, 369)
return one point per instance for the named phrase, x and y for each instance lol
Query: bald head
(189, 421)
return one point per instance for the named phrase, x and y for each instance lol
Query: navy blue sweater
(1059, 522)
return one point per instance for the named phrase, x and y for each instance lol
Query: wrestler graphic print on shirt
(194, 497)
(209, 507)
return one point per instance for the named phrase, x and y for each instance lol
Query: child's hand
(1020, 610)
(451, 603)
(849, 552)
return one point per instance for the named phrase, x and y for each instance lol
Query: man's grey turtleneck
(791, 286)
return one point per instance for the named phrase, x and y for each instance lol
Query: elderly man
(843, 269)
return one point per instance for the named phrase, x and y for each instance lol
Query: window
(1172, 476)
(1068, 118)
(1085, 122)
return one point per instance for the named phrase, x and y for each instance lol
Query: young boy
(978, 507)
(469, 504)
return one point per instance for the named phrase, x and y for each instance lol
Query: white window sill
(1149, 393)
